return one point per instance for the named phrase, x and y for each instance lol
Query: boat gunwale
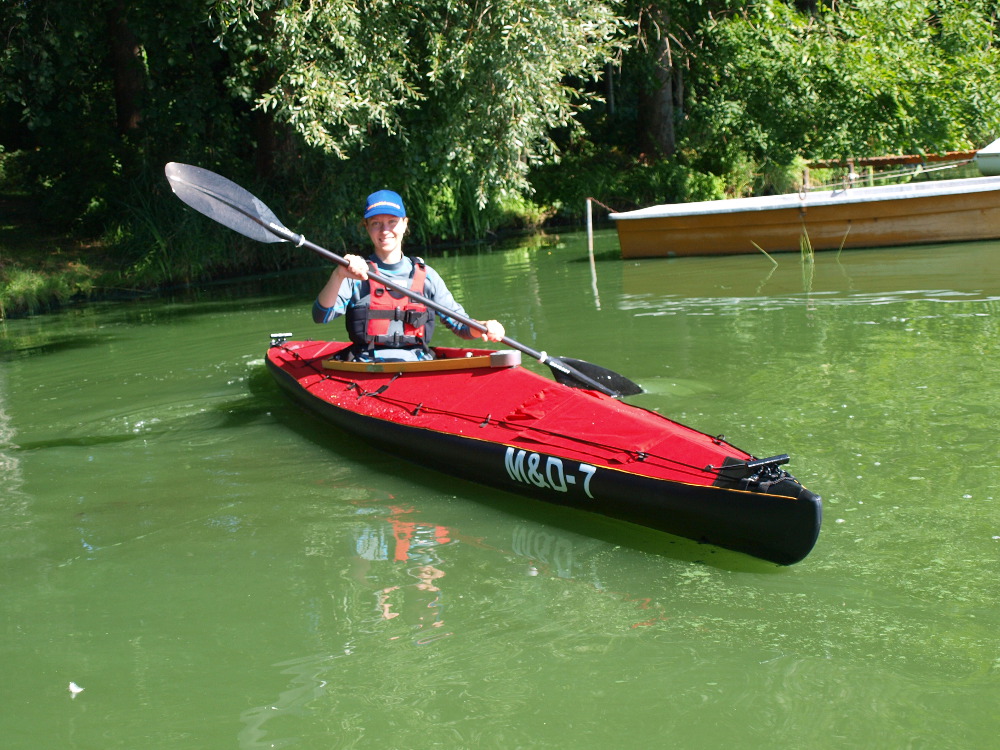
(807, 200)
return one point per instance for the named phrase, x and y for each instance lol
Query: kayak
(479, 415)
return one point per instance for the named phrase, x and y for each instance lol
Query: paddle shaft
(300, 241)
(229, 204)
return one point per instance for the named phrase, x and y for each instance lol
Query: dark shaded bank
(44, 267)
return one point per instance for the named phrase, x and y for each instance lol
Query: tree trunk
(262, 122)
(265, 141)
(657, 104)
(609, 88)
(126, 70)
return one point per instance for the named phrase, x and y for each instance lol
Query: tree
(730, 86)
(665, 47)
(451, 101)
(101, 90)
(126, 68)
(867, 78)
(458, 98)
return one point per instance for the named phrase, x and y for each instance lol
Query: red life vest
(385, 306)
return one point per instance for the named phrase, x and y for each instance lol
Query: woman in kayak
(383, 324)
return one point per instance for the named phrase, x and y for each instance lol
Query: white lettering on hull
(548, 472)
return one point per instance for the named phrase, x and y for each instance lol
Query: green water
(218, 570)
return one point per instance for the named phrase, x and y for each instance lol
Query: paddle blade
(609, 379)
(225, 202)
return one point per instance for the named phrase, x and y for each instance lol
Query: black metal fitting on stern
(765, 463)
(764, 474)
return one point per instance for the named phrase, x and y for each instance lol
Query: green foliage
(619, 182)
(162, 241)
(787, 178)
(449, 103)
(868, 78)
(59, 82)
(673, 183)
(465, 108)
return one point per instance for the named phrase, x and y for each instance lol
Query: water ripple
(654, 305)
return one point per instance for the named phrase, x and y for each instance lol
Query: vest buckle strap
(396, 340)
(415, 318)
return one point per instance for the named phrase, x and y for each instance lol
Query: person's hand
(494, 331)
(356, 268)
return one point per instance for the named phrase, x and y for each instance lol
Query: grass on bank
(39, 266)
(27, 290)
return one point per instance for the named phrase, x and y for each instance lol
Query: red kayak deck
(516, 407)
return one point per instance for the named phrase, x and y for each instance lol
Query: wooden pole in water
(590, 250)
(590, 228)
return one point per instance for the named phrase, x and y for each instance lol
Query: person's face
(386, 232)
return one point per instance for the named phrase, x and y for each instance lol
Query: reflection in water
(10, 465)
(307, 685)
(402, 557)
(416, 545)
(12, 502)
(546, 548)
(393, 547)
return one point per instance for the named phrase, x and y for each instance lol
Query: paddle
(232, 206)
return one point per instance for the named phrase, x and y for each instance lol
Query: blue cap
(384, 202)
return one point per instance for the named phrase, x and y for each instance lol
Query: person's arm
(331, 302)
(494, 331)
(438, 291)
